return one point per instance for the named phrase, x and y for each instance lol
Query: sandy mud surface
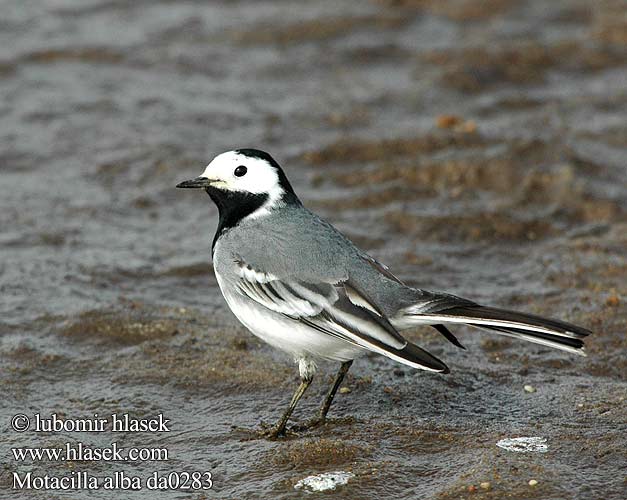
(476, 147)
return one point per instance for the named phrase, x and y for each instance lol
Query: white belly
(291, 336)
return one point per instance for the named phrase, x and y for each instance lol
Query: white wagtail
(299, 284)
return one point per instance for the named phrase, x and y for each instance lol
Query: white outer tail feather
(409, 319)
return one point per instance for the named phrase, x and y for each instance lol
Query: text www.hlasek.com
(81, 453)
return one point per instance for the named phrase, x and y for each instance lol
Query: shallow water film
(474, 146)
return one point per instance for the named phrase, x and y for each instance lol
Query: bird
(302, 286)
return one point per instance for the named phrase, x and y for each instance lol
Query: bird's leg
(326, 404)
(279, 428)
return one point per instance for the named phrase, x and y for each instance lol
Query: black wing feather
(448, 335)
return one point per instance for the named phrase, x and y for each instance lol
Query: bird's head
(247, 180)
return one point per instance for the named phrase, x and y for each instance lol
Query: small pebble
(448, 121)
(485, 485)
(533, 482)
(530, 388)
(344, 390)
(612, 300)
(472, 488)
(469, 127)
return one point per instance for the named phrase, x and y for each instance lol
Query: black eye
(240, 171)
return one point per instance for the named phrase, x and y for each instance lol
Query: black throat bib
(233, 206)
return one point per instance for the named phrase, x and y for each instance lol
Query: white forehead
(260, 177)
(232, 159)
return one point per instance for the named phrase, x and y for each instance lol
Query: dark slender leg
(279, 428)
(326, 404)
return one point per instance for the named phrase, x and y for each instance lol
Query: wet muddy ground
(476, 147)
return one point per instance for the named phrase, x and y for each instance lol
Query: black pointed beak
(198, 182)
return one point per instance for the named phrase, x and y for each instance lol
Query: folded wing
(340, 310)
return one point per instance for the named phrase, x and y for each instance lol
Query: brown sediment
(126, 328)
(386, 54)
(506, 174)
(141, 170)
(190, 270)
(107, 171)
(481, 226)
(318, 29)
(594, 210)
(144, 202)
(459, 10)
(495, 344)
(424, 336)
(512, 103)
(604, 283)
(23, 361)
(429, 437)
(418, 260)
(613, 136)
(365, 240)
(212, 354)
(355, 151)
(221, 358)
(510, 482)
(52, 239)
(352, 118)
(97, 55)
(429, 176)
(226, 363)
(470, 169)
(7, 69)
(318, 452)
(609, 23)
(380, 197)
(456, 122)
(479, 68)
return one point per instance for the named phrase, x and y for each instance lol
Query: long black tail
(545, 331)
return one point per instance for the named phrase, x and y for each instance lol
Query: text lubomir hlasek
(112, 423)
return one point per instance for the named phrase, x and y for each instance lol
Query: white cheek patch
(261, 178)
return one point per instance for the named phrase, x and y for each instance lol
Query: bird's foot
(310, 424)
(266, 431)
(273, 432)
(278, 431)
